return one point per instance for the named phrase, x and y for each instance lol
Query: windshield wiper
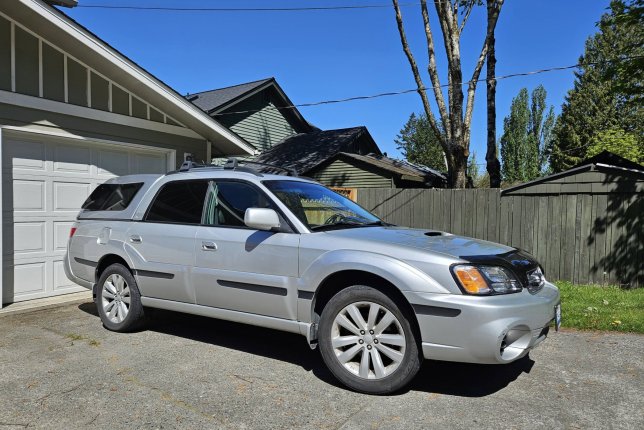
(348, 224)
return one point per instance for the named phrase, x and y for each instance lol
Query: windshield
(319, 208)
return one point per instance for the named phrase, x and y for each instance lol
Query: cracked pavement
(61, 369)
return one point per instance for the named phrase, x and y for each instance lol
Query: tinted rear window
(179, 202)
(111, 197)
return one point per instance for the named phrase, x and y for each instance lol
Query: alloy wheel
(368, 340)
(115, 298)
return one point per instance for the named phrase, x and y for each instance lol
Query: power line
(397, 93)
(243, 9)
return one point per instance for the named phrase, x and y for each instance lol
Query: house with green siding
(262, 114)
(259, 111)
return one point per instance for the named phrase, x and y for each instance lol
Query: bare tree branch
(471, 89)
(468, 10)
(433, 72)
(417, 77)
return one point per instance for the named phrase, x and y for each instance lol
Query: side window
(227, 203)
(179, 202)
(111, 197)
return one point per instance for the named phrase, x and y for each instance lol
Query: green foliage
(593, 307)
(419, 144)
(607, 93)
(619, 142)
(473, 173)
(527, 135)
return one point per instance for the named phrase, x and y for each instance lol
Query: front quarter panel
(397, 272)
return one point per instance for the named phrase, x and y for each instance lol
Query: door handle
(135, 238)
(209, 246)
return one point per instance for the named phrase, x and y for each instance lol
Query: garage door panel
(69, 196)
(29, 278)
(144, 163)
(28, 195)
(113, 163)
(44, 184)
(73, 159)
(25, 155)
(61, 234)
(29, 237)
(61, 283)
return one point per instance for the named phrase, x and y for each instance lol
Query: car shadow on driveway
(454, 379)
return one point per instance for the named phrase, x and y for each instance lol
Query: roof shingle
(211, 100)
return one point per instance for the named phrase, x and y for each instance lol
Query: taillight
(72, 231)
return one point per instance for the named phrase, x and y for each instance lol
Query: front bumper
(489, 330)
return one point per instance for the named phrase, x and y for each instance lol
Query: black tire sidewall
(135, 312)
(411, 361)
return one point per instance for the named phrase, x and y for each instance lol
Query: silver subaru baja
(287, 253)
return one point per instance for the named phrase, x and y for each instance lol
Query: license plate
(557, 317)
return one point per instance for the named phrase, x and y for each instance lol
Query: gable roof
(611, 159)
(306, 151)
(605, 162)
(63, 31)
(220, 100)
(210, 101)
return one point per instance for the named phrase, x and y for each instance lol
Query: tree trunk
(491, 157)
(458, 165)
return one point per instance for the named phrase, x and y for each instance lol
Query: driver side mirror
(261, 219)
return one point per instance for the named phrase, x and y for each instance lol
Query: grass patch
(593, 307)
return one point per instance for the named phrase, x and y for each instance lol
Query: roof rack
(232, 164)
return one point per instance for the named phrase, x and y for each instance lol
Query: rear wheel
(118, 299)
(367, 341)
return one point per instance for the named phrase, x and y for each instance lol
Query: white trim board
(93, 114)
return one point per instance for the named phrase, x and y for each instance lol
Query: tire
(116, 286)
(382, 358)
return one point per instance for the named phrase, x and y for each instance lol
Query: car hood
(429, 240)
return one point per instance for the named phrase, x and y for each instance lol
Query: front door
(239, 268)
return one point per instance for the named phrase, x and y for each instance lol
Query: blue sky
(322, 55)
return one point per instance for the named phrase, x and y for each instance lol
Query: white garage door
(44, 182)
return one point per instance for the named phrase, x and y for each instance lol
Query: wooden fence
(582, 238)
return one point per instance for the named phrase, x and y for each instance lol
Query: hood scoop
(433, 233)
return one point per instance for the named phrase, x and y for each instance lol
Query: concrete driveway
(59, 368)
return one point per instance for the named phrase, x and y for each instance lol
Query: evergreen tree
(419, 144)
(526, 139)
(607, 93)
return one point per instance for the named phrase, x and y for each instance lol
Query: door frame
(18, 132)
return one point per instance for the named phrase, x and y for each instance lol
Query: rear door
(239, 268)
(162, 245)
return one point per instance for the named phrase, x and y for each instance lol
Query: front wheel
(367, 342)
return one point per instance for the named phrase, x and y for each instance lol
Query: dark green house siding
(5, 54)
(342, 174)
(263, 126)
(26, 58)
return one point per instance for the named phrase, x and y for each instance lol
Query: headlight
(485, 280)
